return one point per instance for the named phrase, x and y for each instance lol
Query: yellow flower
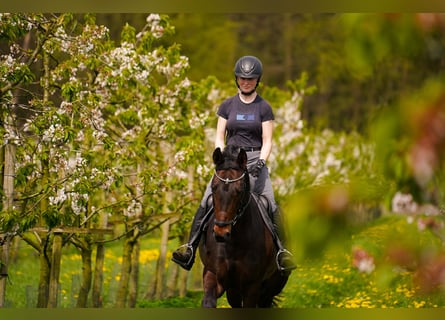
(146, 256)
(331, 279)
(420, 304)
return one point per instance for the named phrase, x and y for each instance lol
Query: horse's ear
(217, 156)
(242, 158)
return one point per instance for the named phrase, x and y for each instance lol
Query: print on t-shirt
(245, 117)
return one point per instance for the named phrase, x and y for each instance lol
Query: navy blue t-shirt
(244, 121)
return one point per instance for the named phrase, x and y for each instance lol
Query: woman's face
(247, 84)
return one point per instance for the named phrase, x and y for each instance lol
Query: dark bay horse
(238, 251)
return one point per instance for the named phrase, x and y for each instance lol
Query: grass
(329, 281)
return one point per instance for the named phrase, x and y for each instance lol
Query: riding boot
(185, 254)
(284, 258)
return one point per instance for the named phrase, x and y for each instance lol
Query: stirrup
(281, 268)
(189, 263)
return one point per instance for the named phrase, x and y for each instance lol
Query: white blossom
(133, 209)
(60, 197)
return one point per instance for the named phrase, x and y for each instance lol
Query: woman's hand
(255, 172)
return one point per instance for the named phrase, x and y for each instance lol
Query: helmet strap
(246, 93)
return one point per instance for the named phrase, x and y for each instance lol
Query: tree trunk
(4, 254)
(8, 197)
(45, 264)
(85, 287)
(160, 267)
(182, 282)
(99, 267)
(183, 275)
(134, 272)
(157, 288)
(134, 276)
(122, 290)
(151, 288)
(55, 271)
(98, 276)
(171, 290)
(45, 267)
(46, 245)
(178, 278)
(177, 283)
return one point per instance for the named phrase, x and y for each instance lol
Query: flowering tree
(94, 144)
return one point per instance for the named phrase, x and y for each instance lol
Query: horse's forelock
(229, 159)
(227, 165)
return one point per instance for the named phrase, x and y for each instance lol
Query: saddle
(265, 209)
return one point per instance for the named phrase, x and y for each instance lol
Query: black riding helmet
(248, 67)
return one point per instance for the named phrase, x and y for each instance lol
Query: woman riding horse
(238, 249)
(246, 121)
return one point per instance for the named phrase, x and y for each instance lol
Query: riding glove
(255, 172)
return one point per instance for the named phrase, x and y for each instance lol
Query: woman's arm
(267, 139)
(220, 137)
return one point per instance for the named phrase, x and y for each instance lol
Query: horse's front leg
(234, 298)
(251, 297)
(210, 289)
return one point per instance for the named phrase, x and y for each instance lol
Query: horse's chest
(245, 262)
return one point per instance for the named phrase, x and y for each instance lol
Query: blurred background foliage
(360, 63)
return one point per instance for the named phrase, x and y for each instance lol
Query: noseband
(241, 210)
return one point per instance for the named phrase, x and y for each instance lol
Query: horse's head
(230, 189)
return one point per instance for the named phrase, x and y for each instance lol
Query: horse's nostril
(219, 238)
(221, 235)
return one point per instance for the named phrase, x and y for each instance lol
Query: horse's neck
(250, 221)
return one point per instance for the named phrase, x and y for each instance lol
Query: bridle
(241, 210)
(227, 180)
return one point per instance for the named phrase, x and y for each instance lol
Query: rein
(240, 210)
